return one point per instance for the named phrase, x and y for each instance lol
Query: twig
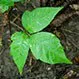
(14, 24)
(20, 28)
(15, 18)
(70, 40)
(70, 31)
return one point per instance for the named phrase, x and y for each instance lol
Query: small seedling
(43, 45)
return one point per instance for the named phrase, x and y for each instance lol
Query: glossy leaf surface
(47, 48)
(38, 19)
(19, 49)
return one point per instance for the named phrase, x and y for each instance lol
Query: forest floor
(65, 26)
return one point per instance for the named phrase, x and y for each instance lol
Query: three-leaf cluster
(44, 46)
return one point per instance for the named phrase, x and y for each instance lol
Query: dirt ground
(66, 28)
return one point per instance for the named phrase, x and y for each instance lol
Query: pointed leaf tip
(47, 48)
(19, 49)
(39, 18)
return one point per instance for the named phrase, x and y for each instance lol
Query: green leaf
(39, 18)
(5, 4)
(47, 48)
(19, 49)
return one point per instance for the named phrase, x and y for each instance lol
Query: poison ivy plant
(44, 46)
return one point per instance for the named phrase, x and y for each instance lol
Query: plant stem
(20, 28)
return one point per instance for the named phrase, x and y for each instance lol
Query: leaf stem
(20, 28)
